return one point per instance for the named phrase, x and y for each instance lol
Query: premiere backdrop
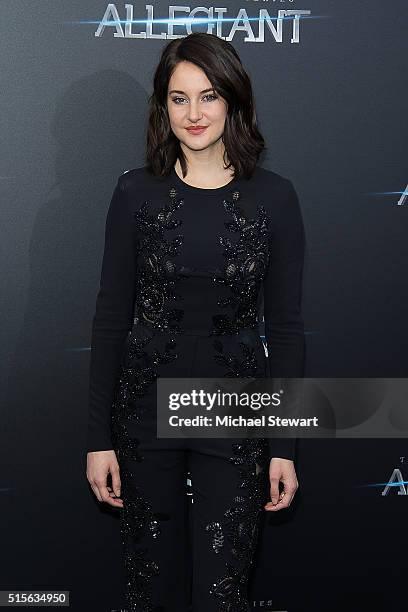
(330, 93)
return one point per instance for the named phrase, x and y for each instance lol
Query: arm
(284, 329)
(113, 317)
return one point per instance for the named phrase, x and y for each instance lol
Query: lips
(197, 130)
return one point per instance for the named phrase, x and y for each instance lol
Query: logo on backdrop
(396, 484)
(403, 198)
(124, 22)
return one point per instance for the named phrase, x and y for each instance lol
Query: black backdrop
(73, 110)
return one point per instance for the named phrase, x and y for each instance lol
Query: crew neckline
(205, 190)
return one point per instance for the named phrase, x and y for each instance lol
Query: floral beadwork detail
(138, 373)
(242, 367)
(231, 590)
(156, 282)
(217, 540)
(240, 526)
(137, 521)
(245, 267)
(246, 263)
(157, 273)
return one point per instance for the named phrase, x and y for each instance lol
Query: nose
(194, 111)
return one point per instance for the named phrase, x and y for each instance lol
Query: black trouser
(165, 566)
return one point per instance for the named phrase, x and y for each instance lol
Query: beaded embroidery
(137, 519)
(246, 366)
(156, 282)
(157, 274)
(240, 527)
(245, 267)
(157, 277)
(246, 262)
(217, 536)
(134, 380)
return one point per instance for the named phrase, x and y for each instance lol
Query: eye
(211, 97)
(206, 97)
(175, 100)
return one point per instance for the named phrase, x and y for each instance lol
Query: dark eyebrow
(183, 92)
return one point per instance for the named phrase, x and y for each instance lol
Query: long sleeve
(113, 316)
(284, 327)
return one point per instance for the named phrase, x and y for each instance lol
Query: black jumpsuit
(185, 274)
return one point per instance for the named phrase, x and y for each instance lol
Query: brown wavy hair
(219, 60)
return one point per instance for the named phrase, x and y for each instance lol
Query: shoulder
(132, 177)
(135, 177)
(277, 192)
(277, 184)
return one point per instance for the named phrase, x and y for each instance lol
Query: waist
(195, 331)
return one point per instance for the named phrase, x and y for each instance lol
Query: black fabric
(198, 548)
(136, 283)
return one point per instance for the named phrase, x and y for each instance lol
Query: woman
(191, 301)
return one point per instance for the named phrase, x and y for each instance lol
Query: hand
(281, 470)
(99, 465)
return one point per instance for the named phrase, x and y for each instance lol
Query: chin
(197, 143)
(198, 147)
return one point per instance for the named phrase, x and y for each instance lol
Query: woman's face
(191, 101)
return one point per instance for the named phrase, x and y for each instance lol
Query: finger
(96, 491)
(98, 486)
(112, 493)
(104, 492)
(116, 481)
(285, 499)
(102, 487)
(105, 495)
(93, 487)
(113, 496)
(115, 502)
(274, 489)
